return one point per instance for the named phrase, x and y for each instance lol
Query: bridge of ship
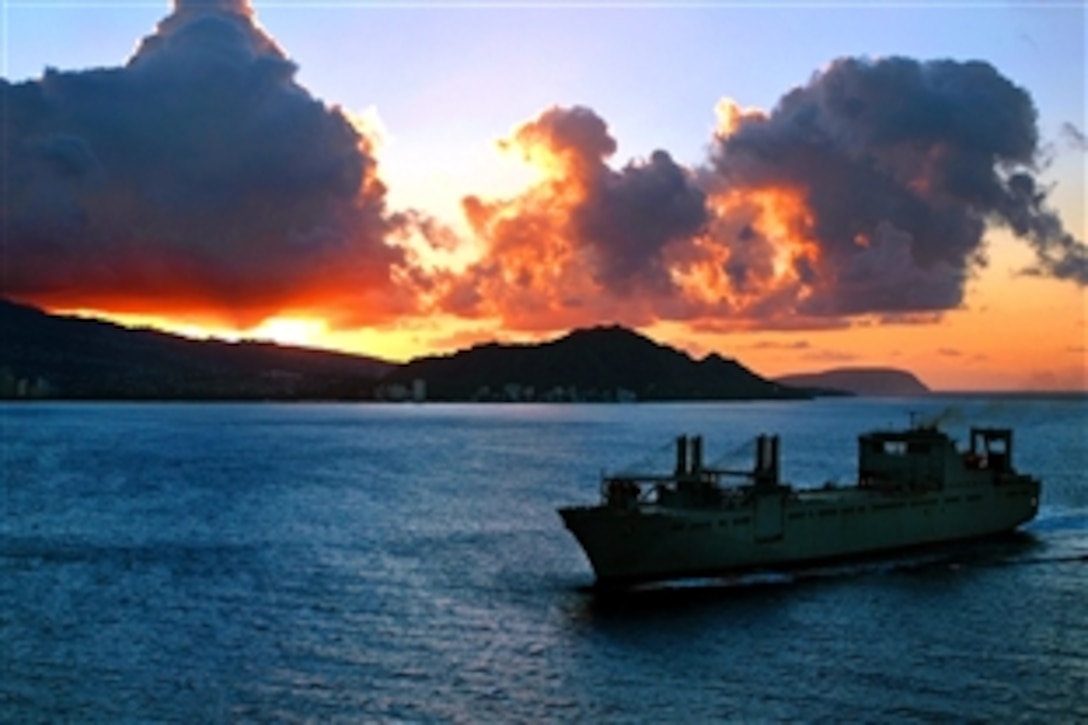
(924, 456)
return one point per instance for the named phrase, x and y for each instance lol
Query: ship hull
(788, 529)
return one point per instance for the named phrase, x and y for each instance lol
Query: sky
(797, 185)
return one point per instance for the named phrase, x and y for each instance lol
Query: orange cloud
(198, 180)
(202, 181)
(863, 198)
(829, 211)
(585, 243)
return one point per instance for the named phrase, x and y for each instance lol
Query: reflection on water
(370, 562)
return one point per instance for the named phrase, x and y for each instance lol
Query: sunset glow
(289, 331)
(837, 206)
(778, 216)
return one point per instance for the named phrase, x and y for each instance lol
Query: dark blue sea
(347, 563)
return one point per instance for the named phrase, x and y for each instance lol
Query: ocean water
(346, 563)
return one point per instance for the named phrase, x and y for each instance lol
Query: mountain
(601, 363)
(71, 357)
(872, 382)
(44, 355)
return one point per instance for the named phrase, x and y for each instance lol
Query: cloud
(200, 177)
(909, 318)
(864, 195)
(585, 244)
(779, 345)
(829, 356)
(1074, 136)
(893, 168)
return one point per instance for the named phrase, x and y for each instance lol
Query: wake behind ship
(914, 488)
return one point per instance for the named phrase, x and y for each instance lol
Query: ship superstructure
(914, 487)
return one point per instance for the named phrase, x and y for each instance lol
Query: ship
(915, 488)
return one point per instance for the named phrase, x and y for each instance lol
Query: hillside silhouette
(600, 363)
(43, 355)
(53, 356)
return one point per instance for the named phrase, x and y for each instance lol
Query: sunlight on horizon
(290, 331)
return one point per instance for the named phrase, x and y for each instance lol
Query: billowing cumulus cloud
(585, 243)
(198, 177)
(866, 192)
(201, 179)
(896, 168)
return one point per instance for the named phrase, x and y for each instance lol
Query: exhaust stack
(767, 468)
(681, 455)
(696, 455)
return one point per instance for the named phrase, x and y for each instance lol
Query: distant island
(865, 381)
(73, 358)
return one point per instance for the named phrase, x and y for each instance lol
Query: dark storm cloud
(901, 165)
(626, 217)
(199, 176)
(630, 216)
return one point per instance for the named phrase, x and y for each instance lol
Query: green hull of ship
(915, 490)
(655, 543)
